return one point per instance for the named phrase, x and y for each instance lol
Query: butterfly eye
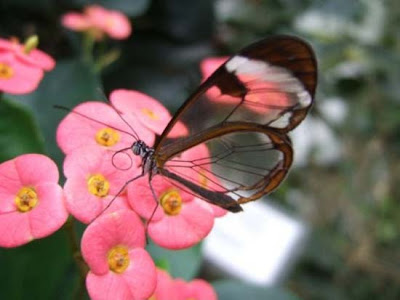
(136, 148)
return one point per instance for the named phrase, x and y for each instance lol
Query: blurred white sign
(257, 245)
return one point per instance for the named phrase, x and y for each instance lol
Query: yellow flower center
(107, 137)
(150, 113)
(171, 202)
(118, 259)
(26, 199)
(98, 185)
(6, 72)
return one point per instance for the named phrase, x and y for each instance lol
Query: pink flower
(265, 96)
(196, 289)
(32, 202)
(94, 179)
(21, 71)
(96, 123)
(27, 53)
(147, 110)
(195, 166)
(120, 268)
(165, 289)
(180, 220)
(99, 21)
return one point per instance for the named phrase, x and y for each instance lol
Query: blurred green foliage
(351, 202)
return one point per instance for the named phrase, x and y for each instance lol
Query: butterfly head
(140, 148)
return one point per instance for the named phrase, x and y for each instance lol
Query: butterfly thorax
(147, 154)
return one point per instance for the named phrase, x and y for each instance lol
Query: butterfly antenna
(118, 152)
(125, 121)
(94, 120)
(103, 94)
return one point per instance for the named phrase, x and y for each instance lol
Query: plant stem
(74, 244)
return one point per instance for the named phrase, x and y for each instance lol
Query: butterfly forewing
(241, 114)
(270, 83)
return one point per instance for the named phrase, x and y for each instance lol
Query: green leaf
(19, 132)
(236, 290)
(181, 263)
(42, 269)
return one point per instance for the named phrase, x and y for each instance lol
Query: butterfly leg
(119, 193)
(155, 208)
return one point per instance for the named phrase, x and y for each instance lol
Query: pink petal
(165, 289)
(210, 65)
(14, 229)
(37, 58)
(142, 200)
(118, 228)
(36, 168)
(75, 21)
(218, 211)
(87, 207)
(90, 160)
(25, 170)
(140, 105)
(137, 282)
(114, 23)
(197, 289)
(184, 230)
(118, 25)
(25, 79)
(10, 184)
(6, 44)
(50, 213)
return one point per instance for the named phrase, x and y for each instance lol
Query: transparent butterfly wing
(242, 114)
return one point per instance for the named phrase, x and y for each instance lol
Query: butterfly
(242, 113)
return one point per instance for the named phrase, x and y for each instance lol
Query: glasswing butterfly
(255, 98)
(235, 146)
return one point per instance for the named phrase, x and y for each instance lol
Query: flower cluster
(22, 66)
(100, 166)
(105, 185)
(98, 22)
